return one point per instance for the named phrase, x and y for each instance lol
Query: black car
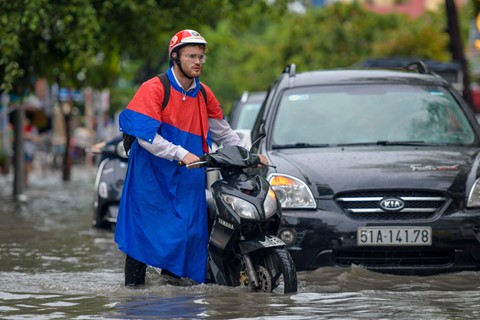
(377, 168)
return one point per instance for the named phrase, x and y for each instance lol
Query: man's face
(191, 61)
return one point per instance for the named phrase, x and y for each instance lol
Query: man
(162, 220)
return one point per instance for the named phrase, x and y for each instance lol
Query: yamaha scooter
(244, 217)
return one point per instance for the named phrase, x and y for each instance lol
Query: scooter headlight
(292, 193)
(103, 190)
(270, 203)
(243, 208)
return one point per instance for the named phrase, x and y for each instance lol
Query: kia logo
(392, 204)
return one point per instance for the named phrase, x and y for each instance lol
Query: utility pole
(67, 159)
(19, 161)
(456, 47)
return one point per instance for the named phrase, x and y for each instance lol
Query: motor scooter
(244, 217)
(111, 172)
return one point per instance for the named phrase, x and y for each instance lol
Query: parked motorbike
(244, 217)
(109, 181)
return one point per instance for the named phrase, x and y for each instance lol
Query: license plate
(394, 236)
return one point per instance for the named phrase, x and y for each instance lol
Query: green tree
(53, 39)
(415, 41)
(45, 38)
(67, 40)
(336, 36)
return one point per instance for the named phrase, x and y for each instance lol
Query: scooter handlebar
(216, 160)
(202, 163)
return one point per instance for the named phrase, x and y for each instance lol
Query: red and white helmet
(184, 37)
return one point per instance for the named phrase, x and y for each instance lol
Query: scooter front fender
(261, 242)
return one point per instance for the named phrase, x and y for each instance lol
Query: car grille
(398, 258)
(418, 205)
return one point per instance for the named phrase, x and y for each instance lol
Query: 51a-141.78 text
(381, 236)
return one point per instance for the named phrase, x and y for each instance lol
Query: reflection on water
(53, 265)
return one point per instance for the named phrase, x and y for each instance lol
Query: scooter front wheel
(275, 270)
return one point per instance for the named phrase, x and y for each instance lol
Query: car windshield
(366, 113)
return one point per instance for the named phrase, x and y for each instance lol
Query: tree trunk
(67, 159)
(19, 161)
(456, 47)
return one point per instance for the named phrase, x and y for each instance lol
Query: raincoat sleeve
(163, 148)
(142, 117)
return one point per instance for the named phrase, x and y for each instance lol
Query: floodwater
(53, 265)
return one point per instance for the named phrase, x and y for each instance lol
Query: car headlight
(243, 208)
(474, 196)
(292, 192)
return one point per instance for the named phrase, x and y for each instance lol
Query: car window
(247, 115)
(367, 113)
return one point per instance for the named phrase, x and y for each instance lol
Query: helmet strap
(176, 61)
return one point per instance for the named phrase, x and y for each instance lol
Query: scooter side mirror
(120, 150)
(261, 134)
(114, 150)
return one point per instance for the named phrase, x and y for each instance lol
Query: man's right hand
(190, 158)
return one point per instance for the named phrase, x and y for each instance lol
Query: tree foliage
(55, 39)
(336, 36)
(98, 42)
(83, 42)
(416, 40)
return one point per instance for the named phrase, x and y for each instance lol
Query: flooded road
(53, 265)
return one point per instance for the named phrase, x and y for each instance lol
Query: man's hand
(263, 159)
(191, 158)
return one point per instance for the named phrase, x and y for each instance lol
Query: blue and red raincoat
(162, 219)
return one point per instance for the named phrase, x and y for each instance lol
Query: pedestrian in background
(31, 139)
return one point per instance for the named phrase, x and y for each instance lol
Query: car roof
(256, 96)
(357, 76)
